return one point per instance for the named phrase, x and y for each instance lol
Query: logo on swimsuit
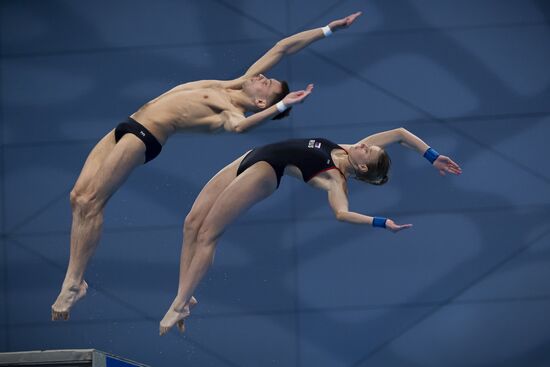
(142, 133)
(313, 144)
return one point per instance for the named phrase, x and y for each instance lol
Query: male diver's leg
(253, 185)
(94, 160)
(108, 166)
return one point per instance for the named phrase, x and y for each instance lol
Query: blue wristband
(379, 222)
(431, 155)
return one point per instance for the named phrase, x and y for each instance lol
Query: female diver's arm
(404, 137)
(399, 135)
(338, 201)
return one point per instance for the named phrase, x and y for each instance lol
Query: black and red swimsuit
(311, 156)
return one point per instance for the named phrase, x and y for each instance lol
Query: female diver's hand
(392, 226)
(446, 165)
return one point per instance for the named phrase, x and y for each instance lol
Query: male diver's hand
(343, 23)
(390, 225)
(446, 165)
(297, 96)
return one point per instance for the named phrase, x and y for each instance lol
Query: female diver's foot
(175, 316)
(68, 296)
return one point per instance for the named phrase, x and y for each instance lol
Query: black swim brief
(152, 145)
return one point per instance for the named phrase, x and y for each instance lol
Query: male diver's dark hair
(279, 97)
(377, 173)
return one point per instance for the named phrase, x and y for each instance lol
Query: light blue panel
(415, 186)
(253, 269)
(473, 72)
(129, 264)
(339, 337)
(524, 140)
(37, 177)
(83, 96)
(384, 16)
(339, 98)
(103, 25)
(250, 340)
(500, 334)
(345, 265)
(524, 275)
(120, 338)
(246, 17)
(469, 12)
(44, 262)
(312, 14)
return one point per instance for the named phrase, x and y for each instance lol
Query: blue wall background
(467, 286)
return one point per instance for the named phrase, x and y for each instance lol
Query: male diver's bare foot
(174, 317)
(66, 300)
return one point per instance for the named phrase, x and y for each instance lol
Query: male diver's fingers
(352, 17)
(309, 87)
(181, 326)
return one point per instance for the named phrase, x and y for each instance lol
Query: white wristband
(326, 31)
(281, 107)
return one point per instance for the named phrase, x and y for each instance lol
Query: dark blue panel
(113, 362)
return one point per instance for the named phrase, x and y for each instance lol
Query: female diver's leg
(105, 170)
(199, 210)
(253, 185)
(202, 205)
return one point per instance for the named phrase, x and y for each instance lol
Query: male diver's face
(362, 154)
(259, 86)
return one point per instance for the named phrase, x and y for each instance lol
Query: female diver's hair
(377, 173)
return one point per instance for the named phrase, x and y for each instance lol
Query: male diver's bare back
(181, 109)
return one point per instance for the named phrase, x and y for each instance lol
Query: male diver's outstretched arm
(338, 201)
(295, 43)
(237, 123)
(404, 137)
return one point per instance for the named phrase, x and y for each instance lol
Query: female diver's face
(362, 154)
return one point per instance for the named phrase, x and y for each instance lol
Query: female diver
(257, 174)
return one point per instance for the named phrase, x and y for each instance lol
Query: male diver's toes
(58, 315)
(181, 326)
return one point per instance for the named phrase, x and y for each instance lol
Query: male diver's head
(371, 163)
(266, 92)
